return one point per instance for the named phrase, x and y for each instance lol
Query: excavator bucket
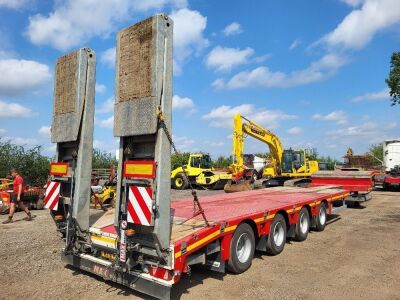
(242, 186)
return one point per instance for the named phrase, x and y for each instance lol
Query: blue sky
(311, 71)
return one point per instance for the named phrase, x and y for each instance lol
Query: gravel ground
(357, 256)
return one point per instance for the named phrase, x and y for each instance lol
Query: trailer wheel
(277, 235)
(303, 225)
(321, 217)
(180, 182)
(242, 249)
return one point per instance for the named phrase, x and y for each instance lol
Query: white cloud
(232, 29)
(100, 88)
(183, 103)
(14, 110)
(371, 132)
(189, 26)
(374, 96)
(339, 117)
(353, 3)
(295, 130)
(184, 143)
(21, 76)
(224, 59)
(106, 145)
(319, 70)
(107, 123)
(51, 149)
(222, 116)
(20, 141)
(2, 131)
(45, 131)
(107, 106)
(13, 3)
(359, 27)
(108, 57)
(295, 44)
(74, 22)
(218, 83)
(214, 144)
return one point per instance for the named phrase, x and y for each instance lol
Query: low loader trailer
(148, 242)
(238, 225)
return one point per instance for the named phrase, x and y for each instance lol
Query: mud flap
(215, 263)
(291, 231)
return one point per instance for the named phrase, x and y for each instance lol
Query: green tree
(177, 160)
(393, 81)
(377, 153)
(34, 166)
(222, 162)
(102, 159)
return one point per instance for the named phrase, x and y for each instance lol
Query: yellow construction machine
(199, 172)
(283, 165)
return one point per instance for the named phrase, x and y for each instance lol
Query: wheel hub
(278, 234)
(243, 248)
(322, 216)
(303, 224)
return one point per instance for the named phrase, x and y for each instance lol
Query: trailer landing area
(227, 209)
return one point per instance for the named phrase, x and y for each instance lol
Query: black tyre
(180, 182)
(321, 217)
(277, 235)
(303, 225)
(242, 249)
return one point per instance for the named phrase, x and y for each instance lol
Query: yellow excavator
(283, 165)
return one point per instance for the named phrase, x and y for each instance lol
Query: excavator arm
(242, 127)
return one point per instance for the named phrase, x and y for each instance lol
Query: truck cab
(391, 154)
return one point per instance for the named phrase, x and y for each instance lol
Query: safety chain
(197, 209)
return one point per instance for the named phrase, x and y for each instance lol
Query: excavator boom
(284, 164)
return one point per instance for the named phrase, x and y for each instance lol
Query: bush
(222, 162)
(179, 159)
(102, 159)
(32, 164)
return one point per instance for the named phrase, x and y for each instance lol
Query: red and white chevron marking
(52, 195)
(139, 205)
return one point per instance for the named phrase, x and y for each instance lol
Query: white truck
(391, 161)
(391, 154)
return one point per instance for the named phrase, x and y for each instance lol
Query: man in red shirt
(16, 197)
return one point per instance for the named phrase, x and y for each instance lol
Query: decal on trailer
(139, 205)
(139, 169)
(122, 247)
(59, 169)
(52, 195)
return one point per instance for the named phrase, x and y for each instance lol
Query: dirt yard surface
(357, 256)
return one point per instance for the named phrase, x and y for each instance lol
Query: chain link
(183, 165)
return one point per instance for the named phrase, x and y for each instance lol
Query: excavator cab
(292, 160)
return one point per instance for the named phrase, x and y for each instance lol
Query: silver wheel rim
(303, 223)
(279, 234)
(243, 248)
(322, 215)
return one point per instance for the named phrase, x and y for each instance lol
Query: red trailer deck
(192, 240)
